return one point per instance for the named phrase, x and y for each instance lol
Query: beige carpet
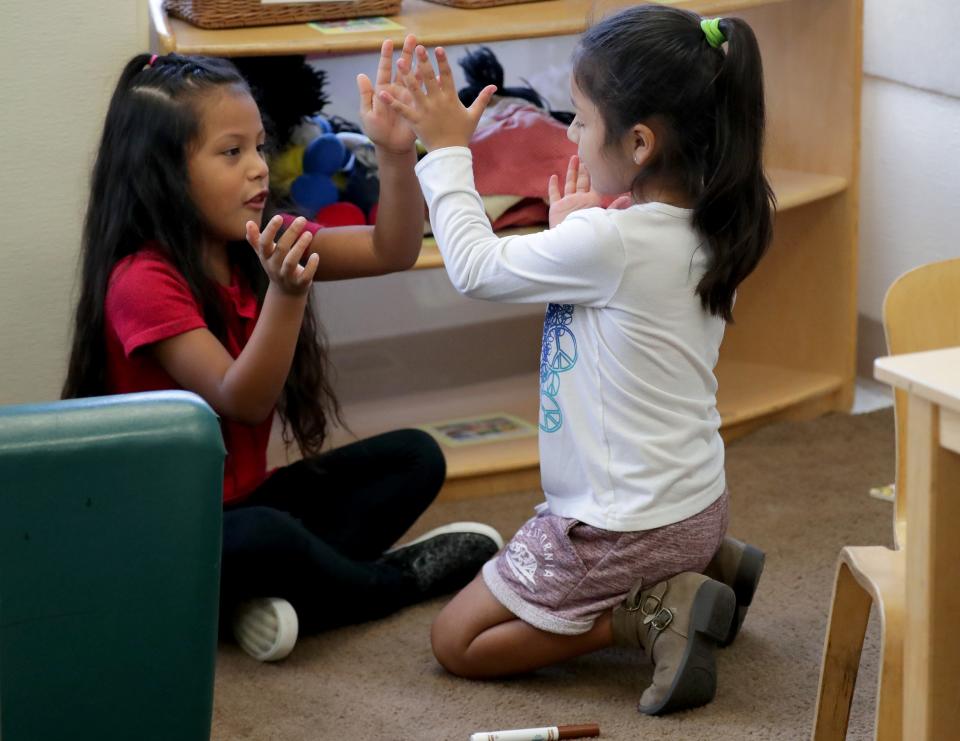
(799, 492)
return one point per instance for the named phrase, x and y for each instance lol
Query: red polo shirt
(147, 301)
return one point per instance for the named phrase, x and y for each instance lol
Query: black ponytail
(654, 64)
(734, 210)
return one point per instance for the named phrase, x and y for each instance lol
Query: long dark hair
(139, 194)
(653, 64)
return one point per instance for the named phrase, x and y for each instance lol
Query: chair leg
(890, 680)
(841, 656)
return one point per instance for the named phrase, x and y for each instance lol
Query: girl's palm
(577, 194)
(430, 104)
(385, 127)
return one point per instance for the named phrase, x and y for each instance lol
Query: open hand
(385, 127)
(281, 259)
(576, 194)
(432, 108)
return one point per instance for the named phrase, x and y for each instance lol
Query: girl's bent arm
(245, 388)
(580, 261)
(394, 243)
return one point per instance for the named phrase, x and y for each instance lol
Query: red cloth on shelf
(528, 211)
(518, 152)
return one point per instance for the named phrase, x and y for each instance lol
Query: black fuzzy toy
(482, 68)
(287, 89)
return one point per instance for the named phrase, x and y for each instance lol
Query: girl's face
(611, 168)
(226, 166)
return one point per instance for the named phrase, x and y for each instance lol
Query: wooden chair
(921, 312)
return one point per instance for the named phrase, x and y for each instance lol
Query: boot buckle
(660, 620)
(650, 606)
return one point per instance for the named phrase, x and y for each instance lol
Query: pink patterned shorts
(559, 574)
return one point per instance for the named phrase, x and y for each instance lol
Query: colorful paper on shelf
(357, 25)
(485, 428)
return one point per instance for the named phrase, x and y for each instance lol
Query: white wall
(58, 64)
(910, 156)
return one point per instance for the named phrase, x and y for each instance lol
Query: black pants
(313, 531)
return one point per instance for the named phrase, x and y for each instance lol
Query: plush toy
(322, 158)
(285, 105)
(341, 213)
(317, 162)
(482, 68)
(337, 166)
(286, 167)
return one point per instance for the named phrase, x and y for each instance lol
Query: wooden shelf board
(515, 395)
(750, 394)
(751, 391)
(793, 189)
(432, 23)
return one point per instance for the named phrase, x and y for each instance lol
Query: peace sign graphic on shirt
(558, 355)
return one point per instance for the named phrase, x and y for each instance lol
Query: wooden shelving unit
(432, 23)
(791, 352)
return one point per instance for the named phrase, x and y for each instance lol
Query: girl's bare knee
(448, 646)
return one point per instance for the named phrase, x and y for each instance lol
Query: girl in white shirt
(632, 460)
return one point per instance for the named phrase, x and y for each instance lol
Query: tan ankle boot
(739, 566)
(678, 622)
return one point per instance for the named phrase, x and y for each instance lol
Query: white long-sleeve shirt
(629, 429)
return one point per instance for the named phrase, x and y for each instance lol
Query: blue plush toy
(323, 157)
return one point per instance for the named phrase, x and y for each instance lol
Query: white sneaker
(266, 628)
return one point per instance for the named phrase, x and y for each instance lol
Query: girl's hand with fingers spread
(433, 109)
(576, 193)
(386, 128)
(281, 259)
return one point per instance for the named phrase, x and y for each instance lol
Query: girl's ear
(643, 144)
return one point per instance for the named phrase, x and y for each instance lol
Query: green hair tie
(711, 29)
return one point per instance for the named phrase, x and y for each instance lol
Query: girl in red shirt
(182, 290)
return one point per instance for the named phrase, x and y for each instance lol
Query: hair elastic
(711, 29)
(149, 64)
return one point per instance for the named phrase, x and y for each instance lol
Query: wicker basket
(479, 3)
(236, 13)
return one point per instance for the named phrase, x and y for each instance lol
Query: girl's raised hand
(385, 127)
(432, 107)
(576, 192)
(281, 259)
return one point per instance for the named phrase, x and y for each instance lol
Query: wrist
(387, 156)
(447, 142)
(282, 296)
